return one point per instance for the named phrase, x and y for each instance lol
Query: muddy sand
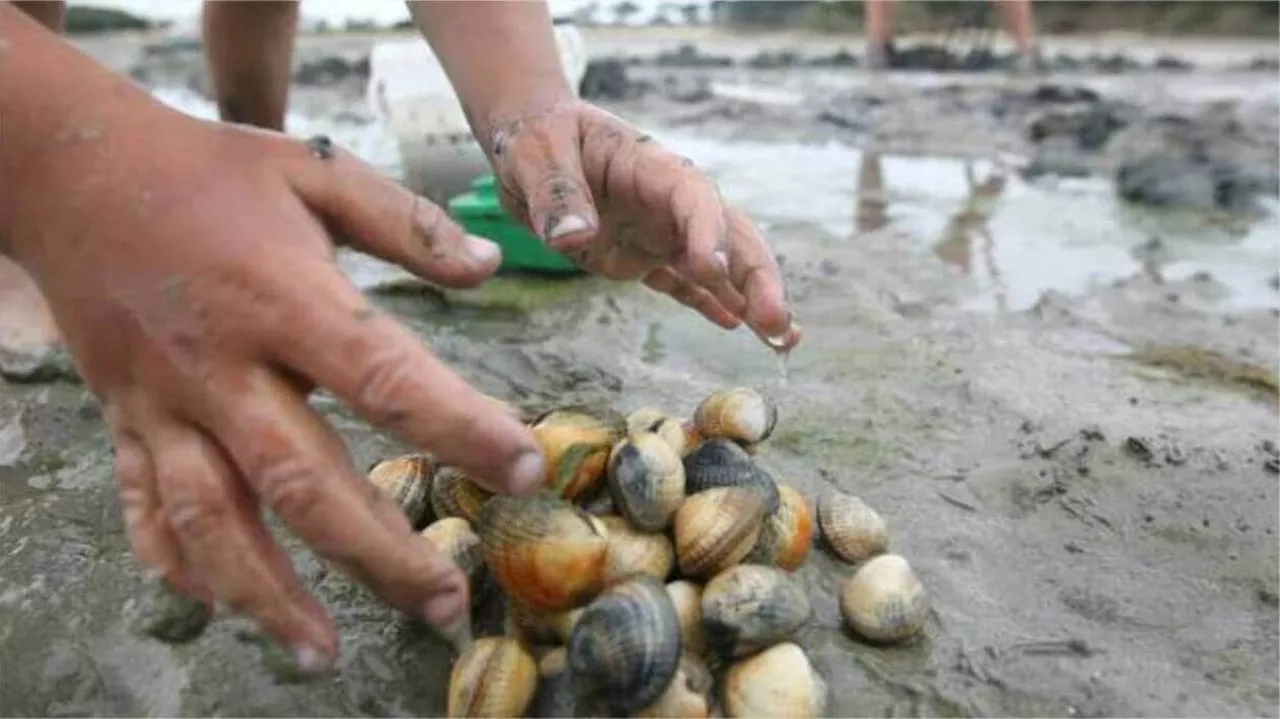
(1069, 423)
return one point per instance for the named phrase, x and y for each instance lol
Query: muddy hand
(619, 204)
(190, 267)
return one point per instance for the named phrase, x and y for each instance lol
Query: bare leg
(877, 20)
(248, 47)
(1016, 15)
(29, 336)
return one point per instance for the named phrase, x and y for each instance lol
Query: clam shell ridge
(751, 606)
(852, 530)
(716, 529)
(494, 677)
(778, 682)
(454, 494)
(406, 481)
(542, 551)
(742, 414)
(787, 535)
(883, 601)
(625, 648)
(646, 481)
(722, 463)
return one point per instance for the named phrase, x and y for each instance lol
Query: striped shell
(454, 494)
(406, 482)
(716, 529)
(721, 463)
(494, 677)
(646, 481)
(632, 552)
(787, 534)
(741, 414)
(688, 696)
(853, 531)
(752, 606)
(883, 601)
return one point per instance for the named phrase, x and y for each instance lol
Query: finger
(300, 468)
(547, 174)
(388, 221)
(668, 282)
(755, 273)
(221, 533)
(374, 365)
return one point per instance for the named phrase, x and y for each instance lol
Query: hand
(617, 203)
(190, 271)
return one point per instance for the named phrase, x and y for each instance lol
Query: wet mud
(1083, 475)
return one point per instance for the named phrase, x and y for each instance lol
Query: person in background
(189, 268)
(1015, 15)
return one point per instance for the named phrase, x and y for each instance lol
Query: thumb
(551, 191)
(386, 220)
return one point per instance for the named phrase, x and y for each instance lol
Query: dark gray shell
(646, 481)
(749, 607)
(721, 462)
(625, 649)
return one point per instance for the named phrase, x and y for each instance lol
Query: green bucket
(480, 212)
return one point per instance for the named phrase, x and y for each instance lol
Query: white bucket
(410, 94)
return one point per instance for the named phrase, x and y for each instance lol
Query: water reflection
(967, 226)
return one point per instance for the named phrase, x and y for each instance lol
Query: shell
(554, 698)
(787, 534)
(752, 606)
(778, 682)
(688, 696)
(454, 538)
(454, 494)
(853, 531)
(741, 414)
(625, 648)
(646, 481)
(687, 599)
(494, 677)
(406, 482)
(716, 529)
(721, 463)
(682, 437)
(883, 601)
(537, 628)
(542, 551)
(576, 447)
(632, 552)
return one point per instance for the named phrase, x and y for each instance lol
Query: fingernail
(567, 225)
(304, 663)
(482, 251)
(526, 473)
(310, 661)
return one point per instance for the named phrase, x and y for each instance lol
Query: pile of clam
(652, 576)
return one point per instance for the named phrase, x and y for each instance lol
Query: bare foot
(29, 339)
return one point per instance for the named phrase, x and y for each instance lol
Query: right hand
(192, 276)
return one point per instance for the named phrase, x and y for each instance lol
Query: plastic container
(480, 212)
(410, 94)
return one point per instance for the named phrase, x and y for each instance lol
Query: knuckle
(384, 379)
(290, 488)
(199, 517)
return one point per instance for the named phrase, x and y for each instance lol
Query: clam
(721, 463)
(538, 628)
(688, 696)
(632, 552)
(752, 606)
(851, 529)
(554, 698)
(576, 448)
(454, 538)
(682, 437)
(406, 482)
(495, 677)
(778, 682)
(716, 529)
(787, 534)
(883, 601)
(454, 494)
(646, 481)
(741, 414)
(625, 648)
(542, 551)
(687, 599)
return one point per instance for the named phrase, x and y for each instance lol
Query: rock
(606, 79)
(331, 70)
(1090, 126)
(1052, 93)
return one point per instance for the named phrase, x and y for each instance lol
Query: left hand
(619, 204)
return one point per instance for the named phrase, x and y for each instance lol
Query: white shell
(884, 601)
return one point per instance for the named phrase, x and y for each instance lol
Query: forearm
(501, 57)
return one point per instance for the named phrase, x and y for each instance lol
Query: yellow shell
(406, 482)
(454, 538)
(554, 697)
(454, 494)
(682, 437)
(883, 601)
(494, 677)
(646, 481)
(687, 598)
(543, 552)
(716, 528)
(739, 413)
(689, 694)
(632, 552)
(787, 534)
(853, 531)
(752, 606)
(575, 446)
(778, 682)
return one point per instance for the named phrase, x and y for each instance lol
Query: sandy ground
(1089, 496)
